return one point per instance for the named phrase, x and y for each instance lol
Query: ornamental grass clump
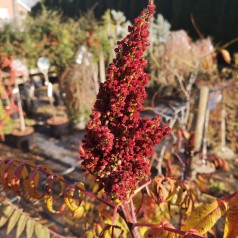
(118, 142)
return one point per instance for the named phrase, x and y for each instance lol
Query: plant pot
(59, 126)
(29, 106)
(41, 92)
(23, 139)
(58, 101)
(42, 128)
(14, 115)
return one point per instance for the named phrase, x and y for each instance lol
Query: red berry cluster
(118, 142)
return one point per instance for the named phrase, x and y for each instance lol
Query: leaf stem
(129, 221)
(229, 197)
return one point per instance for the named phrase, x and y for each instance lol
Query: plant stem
(223, 126)
(130, 220)
(50, 94)
(205, 135)
(101, 66)
(133, 211)
(52, 106)
(22, 121)
(229, 197)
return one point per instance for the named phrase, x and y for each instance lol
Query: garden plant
(120, 197)
(12, 104)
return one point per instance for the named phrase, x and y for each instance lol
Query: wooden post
(95, 77)
(102, 66)
(223, 126)
(21, 116)
(201, 117)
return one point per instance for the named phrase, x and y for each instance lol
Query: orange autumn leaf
(226, 55)
(231, 225)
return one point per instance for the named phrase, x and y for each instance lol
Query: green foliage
(221, 13)
(13, 42)
(50, 38)
(46, 35)
(50, 35)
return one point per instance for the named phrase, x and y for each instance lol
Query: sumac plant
(122, 200)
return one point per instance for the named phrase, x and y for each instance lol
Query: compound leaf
(204, 217)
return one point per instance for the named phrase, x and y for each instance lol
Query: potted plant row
(22, 136)
(58, 124)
